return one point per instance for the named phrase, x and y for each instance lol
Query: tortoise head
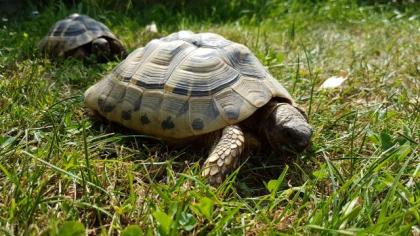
(101, 48)
(286, 128)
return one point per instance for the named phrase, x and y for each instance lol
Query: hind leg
(94, 115)
(225, 155)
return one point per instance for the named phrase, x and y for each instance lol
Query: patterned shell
(184, 85)
(72, 32)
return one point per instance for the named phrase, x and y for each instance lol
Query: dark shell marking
(74, 32)
(59, 29)
(104, 106)
(73, 26)
(197, 124)
(168, 124)
(186, 85)
(137, 103)
(206, 61)
(74, 29)
(144, 119)
(126, 115)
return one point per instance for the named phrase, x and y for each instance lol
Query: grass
(60, 172)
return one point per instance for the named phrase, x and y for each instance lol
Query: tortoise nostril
(302, 144)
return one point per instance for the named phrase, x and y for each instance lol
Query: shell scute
(241, 58)
(203, 114)
(185, 85)
(253, 90)
(234, 108)
(73, 29)
(203, 73)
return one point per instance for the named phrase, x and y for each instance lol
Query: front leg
(225, 155)
(78, 53)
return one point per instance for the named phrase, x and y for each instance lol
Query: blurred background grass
(215, 11)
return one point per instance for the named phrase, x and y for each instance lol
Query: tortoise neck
(257, 122)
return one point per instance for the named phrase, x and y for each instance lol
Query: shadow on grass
(257, 169)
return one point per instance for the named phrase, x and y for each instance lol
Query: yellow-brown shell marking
(184, 85)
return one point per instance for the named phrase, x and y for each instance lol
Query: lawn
(62, 173)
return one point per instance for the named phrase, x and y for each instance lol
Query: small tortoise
(80, 36)
(187, 87)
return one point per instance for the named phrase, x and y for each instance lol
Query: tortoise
(200, 86)
(80, 36)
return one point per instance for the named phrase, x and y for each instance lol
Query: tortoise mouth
(290, 142)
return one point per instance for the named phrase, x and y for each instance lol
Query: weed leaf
(187, 221)
(71, 228)
(164, 220)
(204, 207)
(132, 230)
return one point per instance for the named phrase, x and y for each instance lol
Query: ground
(62, 172)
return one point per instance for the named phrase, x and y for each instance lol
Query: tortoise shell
(184, 85)
(73, 32)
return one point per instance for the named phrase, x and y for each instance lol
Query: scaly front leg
(225, 155)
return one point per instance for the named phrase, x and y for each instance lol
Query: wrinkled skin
(286, 128)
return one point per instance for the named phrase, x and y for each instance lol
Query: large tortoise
(80, 36)
(187, 87)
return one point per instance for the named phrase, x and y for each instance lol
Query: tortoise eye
(303, 113)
